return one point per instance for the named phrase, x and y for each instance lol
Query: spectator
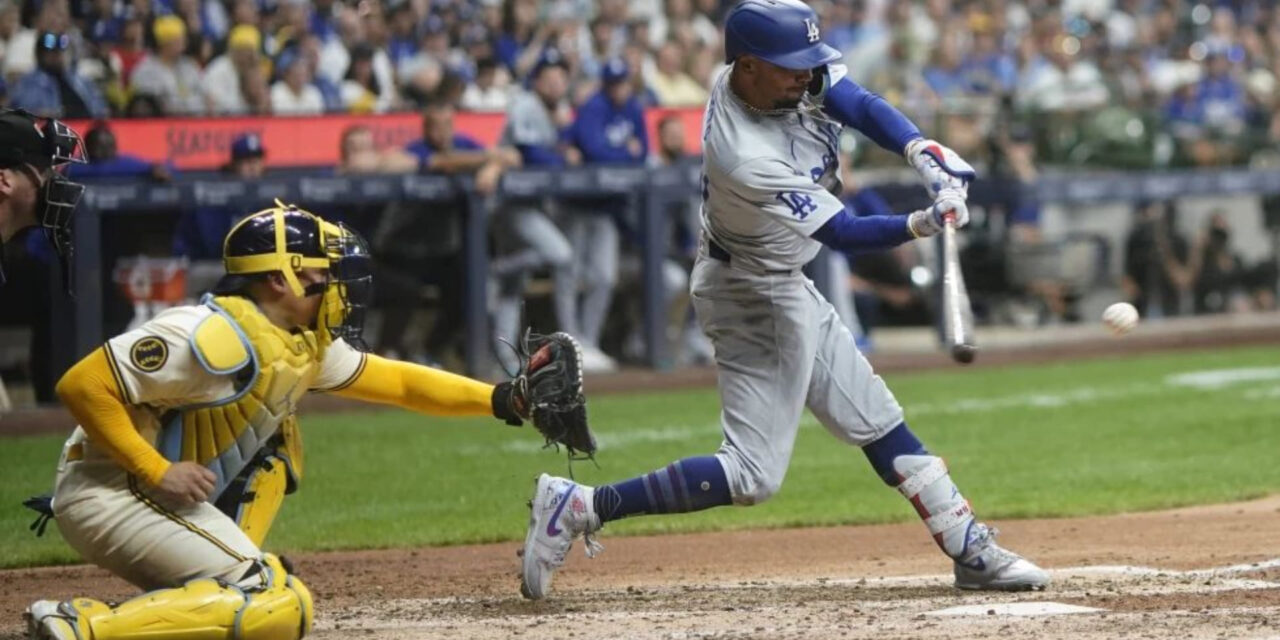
(9, 25)
(637, 58)
(1219, 272)
(131, 49)
(310, 47)
(491, 90)
(20, 51)
(294, 94)
(359, 154)
(361, 92)
(53, 90)
(168, 74)
(673, 86)
(609, 129)
(105, 161)
(1063, 80)
(525, 238)
(522, 38)
(1157, 274)
(441, 150)
(432, 257)
(201, 230)
(224, 78)
(944, 74)
(404, 29)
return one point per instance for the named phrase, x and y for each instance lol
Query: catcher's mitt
(548, 391)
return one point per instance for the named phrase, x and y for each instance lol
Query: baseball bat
(957, 314)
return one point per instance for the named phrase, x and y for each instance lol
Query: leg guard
(267, 605)
(254, 499)
(927, 484)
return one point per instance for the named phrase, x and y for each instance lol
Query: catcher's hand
(548, 391)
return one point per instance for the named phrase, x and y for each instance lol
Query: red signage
(205, 143)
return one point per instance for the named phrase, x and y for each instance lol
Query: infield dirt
(1201, 572)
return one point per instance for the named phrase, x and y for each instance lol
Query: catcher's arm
(422, 389)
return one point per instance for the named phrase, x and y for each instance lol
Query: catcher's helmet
(783, 32)
(44, 147)
(285, 239)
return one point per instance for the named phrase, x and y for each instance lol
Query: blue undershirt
(854, 106)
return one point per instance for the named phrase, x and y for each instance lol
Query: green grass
(1051, 440)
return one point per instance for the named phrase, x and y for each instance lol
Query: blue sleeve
(589, 135)
(466, 143)
(843, 232)
(867, 202)
(422, 151)
(867, 112)
(539, 156)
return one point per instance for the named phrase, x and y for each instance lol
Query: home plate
(1014, 609)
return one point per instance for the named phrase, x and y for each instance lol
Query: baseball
(1120, 317)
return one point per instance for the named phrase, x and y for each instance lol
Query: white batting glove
(939, 167)
(928, 222)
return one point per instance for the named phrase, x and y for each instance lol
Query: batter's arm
(418, 388)
(853, 106)
(846, 232)
(91, 393)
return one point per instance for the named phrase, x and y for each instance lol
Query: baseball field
(1140, 481)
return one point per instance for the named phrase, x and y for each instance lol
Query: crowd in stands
(1011, 84)
(1140, 81)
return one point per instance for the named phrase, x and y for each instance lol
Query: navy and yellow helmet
(286, 239)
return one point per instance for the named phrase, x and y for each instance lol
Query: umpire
(33, 153)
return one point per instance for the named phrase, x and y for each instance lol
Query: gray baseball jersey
(529, 123)
(769, 181)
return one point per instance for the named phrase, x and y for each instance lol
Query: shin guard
(925, 481)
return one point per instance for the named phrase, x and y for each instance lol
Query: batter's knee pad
(254, 499)
(267, 604)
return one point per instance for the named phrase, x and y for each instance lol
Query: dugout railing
(652, 192)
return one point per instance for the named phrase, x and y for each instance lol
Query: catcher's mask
(43, 148)
(286, 239)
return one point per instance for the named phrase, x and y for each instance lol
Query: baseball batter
(188, 441)
(770, 175)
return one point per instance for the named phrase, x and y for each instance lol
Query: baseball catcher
(33, 191)
(188, 439)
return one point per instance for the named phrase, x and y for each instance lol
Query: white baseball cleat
(46, 620)
(987, 566)
(561, 510)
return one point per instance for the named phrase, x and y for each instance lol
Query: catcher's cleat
(562, 510)
(987, 566)
(46, 620)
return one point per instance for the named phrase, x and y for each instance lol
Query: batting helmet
(286, 239)
(783, 32)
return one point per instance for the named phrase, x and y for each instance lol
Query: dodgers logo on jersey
(812, 30)
(801, 204)
(149, 353)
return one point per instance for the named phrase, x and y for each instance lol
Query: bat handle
(949, 217)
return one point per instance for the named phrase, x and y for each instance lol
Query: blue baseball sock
(899, 441)
(691, 484)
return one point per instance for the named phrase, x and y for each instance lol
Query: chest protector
(271, 368)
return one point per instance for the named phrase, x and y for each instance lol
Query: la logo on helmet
(812, 29)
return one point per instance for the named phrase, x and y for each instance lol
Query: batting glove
(930, 221)
(939, 167)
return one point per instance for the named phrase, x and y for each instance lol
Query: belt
(717, 252)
